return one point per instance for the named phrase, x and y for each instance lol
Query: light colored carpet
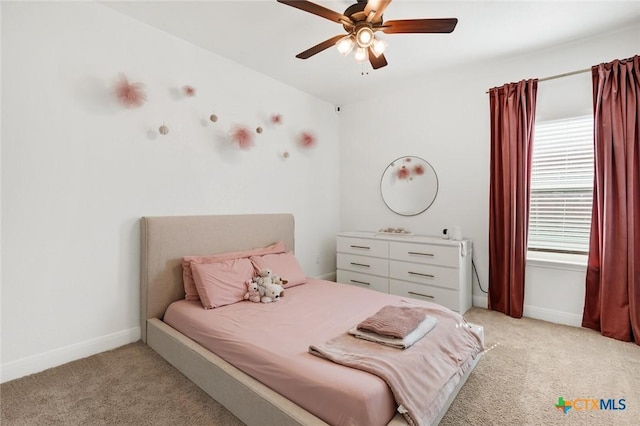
(517, 382)
(533, 363)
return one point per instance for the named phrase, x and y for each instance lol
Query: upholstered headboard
(165, 240)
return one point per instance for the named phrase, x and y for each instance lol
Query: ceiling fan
(361, 21)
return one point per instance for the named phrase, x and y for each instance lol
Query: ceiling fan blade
(377, 7)
(378, 62)
(319, 47)
(445, 25)
(318, 10)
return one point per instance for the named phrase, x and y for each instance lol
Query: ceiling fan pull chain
(362, 70)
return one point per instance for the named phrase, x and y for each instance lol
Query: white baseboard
(557, 317)
(36, 363)
(328, 277)
(480, 301)
(550, 315)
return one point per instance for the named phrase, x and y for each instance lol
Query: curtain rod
(566, 74)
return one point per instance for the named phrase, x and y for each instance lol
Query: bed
(165, 240)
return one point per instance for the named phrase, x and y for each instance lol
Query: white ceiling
(266, 35)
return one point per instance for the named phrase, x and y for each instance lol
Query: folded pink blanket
(421, 378)
(420, 331)
(394, 321)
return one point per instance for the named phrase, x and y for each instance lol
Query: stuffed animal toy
(265, 277)
(253, 291)
(277, 280)
(272, 293)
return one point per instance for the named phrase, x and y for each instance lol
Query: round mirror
(409, 186)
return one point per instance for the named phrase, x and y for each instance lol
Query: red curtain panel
(513, 109)
(612, 298)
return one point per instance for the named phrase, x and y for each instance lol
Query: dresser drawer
(422, 253)
(364, 264)
(363, 280)
(441, 296)
(424, 274)
(363, 246)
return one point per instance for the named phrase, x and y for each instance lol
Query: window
(561, 185)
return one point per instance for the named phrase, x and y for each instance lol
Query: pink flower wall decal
(307, 140)
(131, 95)
(276, 119)
(242, 136)
(418, 169)
(189, 90)
(403, 173)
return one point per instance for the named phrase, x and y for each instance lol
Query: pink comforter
(270, 342)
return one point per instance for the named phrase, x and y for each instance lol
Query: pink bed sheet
(270, 342)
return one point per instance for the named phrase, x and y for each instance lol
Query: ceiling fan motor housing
(356, 13)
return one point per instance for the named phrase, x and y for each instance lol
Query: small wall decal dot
(213, 118)
(163, 130)
(259, 130)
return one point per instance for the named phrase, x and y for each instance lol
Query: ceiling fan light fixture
(361, 54)
(364, 36)
(378, 47)
(361, 21)
(345, 45)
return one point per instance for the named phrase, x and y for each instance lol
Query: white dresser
(425, 268)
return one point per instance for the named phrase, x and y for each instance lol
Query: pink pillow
(190, 291)
(222, 283)
(284, 265)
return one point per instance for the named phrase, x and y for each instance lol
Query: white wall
(78, 170)
(444, 118)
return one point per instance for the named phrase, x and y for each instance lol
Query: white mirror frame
(409, 185)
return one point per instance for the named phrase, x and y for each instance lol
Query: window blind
(561, 185)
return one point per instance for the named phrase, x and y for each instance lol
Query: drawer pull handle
(360, 264)
(423, 295)
(422, 275)
(359, 282)
(421, 254)
(361, 247)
